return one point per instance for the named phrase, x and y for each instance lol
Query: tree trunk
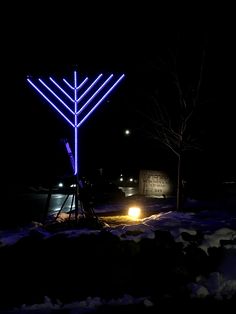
(179, 184)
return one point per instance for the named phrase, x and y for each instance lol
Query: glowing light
(54, 94)
(134, 212)
(99, 102)
(91, 98)
(127, 132)
(50, 102)
(70, 154)
(71, 87)
(89, 88)
(61, 89)
(75, 118)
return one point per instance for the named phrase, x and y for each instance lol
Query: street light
(127, 132)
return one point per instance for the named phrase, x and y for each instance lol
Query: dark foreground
(73, 268)
(167, 306)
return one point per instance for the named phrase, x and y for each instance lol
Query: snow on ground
(205, 229)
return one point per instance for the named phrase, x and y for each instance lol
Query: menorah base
(81, 207)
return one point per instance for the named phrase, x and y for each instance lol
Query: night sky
(43, 41)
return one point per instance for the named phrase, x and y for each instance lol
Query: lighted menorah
(75, 101)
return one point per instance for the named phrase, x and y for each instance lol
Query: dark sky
(53, 41)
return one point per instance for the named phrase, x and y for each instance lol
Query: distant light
(60, 185)
(121, 179)
(134, 212)
(127, 132)
(131, 179)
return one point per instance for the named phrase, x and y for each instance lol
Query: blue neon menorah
(77, 101)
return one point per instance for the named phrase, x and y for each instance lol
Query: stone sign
(155, 183)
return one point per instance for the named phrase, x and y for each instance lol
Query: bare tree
(172, 127)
